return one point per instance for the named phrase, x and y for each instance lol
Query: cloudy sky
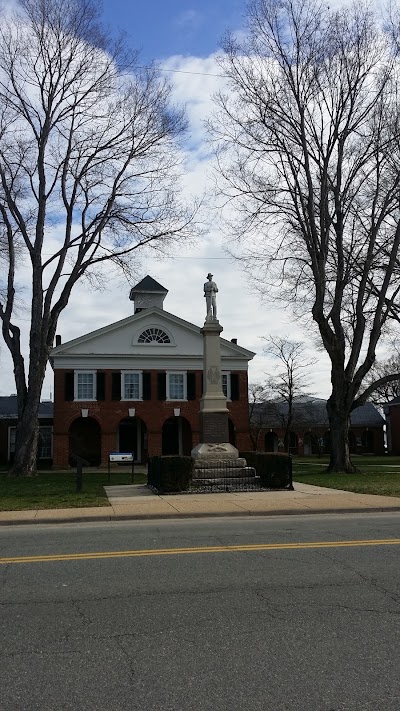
(183, 38)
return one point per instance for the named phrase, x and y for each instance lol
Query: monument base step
(222, 473)
(227, 481)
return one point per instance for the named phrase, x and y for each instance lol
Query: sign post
(121, 458)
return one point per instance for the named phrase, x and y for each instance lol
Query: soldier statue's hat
(209, 275)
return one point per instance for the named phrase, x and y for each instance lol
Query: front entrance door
(177, 436)
(131, 437)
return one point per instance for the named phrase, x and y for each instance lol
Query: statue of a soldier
(210, 293)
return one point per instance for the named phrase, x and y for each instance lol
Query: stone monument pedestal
(213, 409)
(215, 459)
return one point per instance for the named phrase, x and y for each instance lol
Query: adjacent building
(309, 433)
(8, 422)
(392, 415)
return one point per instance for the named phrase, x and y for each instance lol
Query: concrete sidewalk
(139, 503)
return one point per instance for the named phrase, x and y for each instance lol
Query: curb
(211, 514)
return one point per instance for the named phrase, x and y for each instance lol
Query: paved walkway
(137, 502)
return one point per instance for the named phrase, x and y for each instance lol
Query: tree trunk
(339, 421)
(27, 430)
(26, 443)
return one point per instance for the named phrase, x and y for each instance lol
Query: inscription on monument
(213, 375)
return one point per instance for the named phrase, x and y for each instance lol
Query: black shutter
(191, 386)
(202, 384)
(146, 386)
(162, 386)
(234, 386)
(116, 386)
(100, 386)
(68, 387)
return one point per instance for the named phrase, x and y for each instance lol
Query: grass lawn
(377, 475)
(56, 490)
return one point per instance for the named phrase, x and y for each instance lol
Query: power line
(205, 258)
(182, 71)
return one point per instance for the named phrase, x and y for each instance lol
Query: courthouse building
(135, 386)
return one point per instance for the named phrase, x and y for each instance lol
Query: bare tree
(259, 411)
(290, 381)
(388, 389)
(308, 151)
(88, 173)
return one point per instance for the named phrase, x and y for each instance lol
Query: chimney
(58, 340)
(234, 340)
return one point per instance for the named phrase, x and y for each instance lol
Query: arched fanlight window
(154, 335)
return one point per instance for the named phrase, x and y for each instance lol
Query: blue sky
(161, 28)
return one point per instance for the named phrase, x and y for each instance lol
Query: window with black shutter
(202, 385)
(234, 386)
(101, 386)
(161, 386)
(146, 386)
(116, 386)
(191, 386)
(68, 387)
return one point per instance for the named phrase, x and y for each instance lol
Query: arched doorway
(132, 437)
(271, 442)
(367, 441)
(308, 444)
(177, 436)
(85, 441)
(231, 432)
(327, 442)
(293, 442)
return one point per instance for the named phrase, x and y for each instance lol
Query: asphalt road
(272, 628)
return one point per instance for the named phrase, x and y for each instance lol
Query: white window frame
(131, 372)
(228, 383)
(177, 372)
(13, 428)
(85, 372)
(48, 427)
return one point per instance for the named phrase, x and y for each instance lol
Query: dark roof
(312, 412)
(149, 284)
(8, 408)
(367, 415)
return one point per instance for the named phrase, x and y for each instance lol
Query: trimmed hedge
(170, 473)
(274, 469)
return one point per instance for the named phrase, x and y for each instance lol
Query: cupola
(148, 294)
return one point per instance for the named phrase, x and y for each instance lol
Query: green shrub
(170, 473)
(274, 469)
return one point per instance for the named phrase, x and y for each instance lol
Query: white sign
(120, 457)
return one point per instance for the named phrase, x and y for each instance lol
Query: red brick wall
(154, 412)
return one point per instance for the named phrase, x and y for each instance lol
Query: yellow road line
(204, 549)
